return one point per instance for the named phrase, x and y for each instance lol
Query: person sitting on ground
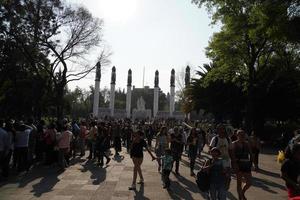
(290, 172)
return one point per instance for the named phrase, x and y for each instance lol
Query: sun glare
(118, 10)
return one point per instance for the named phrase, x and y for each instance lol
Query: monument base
(141, 114)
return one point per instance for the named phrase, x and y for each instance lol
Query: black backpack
(203, 180)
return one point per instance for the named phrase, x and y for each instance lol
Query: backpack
(203, 180)
(217, 140)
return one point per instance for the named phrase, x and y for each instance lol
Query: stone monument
(172, 93)
(112, 91)
(156, 93)
(141, 112)
(128, 95)
(97, 90)
(187, 78)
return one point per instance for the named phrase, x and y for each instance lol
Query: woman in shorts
(136, 154)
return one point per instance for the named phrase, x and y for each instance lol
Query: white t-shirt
(223, 145)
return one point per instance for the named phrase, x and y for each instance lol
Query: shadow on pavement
(268, 173)
(46, 184)
(176, 191)
(265, 185)
(191, 186)
(98, 174)
(139, 194)
(48, 176)
(231, 196)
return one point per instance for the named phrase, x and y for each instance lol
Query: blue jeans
(217, 192)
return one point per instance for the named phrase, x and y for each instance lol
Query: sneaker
(132, 187)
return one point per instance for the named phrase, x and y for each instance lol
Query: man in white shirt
(223, 143)
(21, 146)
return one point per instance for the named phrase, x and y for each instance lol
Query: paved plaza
(86, 181)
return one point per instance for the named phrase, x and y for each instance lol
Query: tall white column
(128, 96)
(155, 101)
(112, 91)
(187, 80)
(128, 101)
(112, 100)
(172, 93)
(97, 90)
(172, 100)
(156, 93)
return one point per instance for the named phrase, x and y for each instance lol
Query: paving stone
(90, 187)
(86, 181)
(119, 198)
(61, 197)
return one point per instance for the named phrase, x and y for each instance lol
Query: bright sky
(150, 34)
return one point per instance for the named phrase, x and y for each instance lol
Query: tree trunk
(60, 102)
(250, 105)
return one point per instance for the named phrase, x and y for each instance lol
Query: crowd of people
(232, 151)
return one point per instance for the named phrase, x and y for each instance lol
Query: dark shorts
(244, 166)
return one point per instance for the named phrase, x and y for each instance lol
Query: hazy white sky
(155, 34)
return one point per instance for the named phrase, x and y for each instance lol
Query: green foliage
(255, 56)
(34, 56)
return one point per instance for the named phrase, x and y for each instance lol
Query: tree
(61, 33)
(23, 88)
(252, 34)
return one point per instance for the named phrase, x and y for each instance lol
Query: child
(217, 175)
(167, 161)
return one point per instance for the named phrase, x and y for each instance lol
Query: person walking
(64, 141)
(92, 139)
(116, 134)
(161, 144)
(136, 154)
(217, 175)
(4, 149)
(177, 147)
(290, 173)
(192, 142)
(223, 143)
(167, 168)
(242, 162)
(82, 137)
(255, 148)
(21, 146)
(50, 142)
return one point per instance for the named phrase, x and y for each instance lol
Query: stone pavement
(86, 181)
